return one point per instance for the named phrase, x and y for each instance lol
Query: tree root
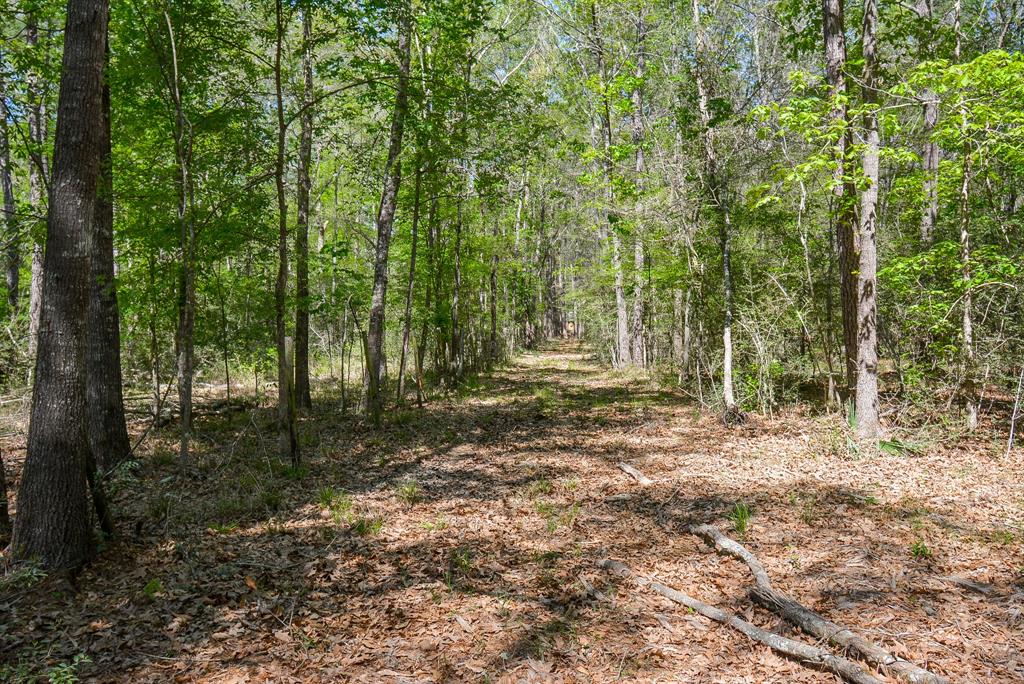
(846, 669)
(808, 620)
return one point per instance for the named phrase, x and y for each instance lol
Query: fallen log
(814, 624)
(846, 669)
(723, 544)
(808, 620)
(635, 474)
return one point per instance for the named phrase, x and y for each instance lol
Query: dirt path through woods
(459, 543)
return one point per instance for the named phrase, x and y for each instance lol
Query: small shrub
(408, 493)
(22, 576)
(153, 587)
(325, 496)
(67, 673)
(337, 502)
(539, 487)
(435, 525)
(366, 526)
(461, 561)
(920, 550)
(740, 518)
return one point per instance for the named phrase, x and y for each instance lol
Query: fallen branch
(817, 626)
(723, 544)
(809, 621)
(846, 669)
(635, 474)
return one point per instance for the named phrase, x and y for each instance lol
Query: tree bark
(303, 398)
(108, 433)
(9, 225)
(622, 346)
(970, 385)
(411, 282)
(638, 332)
(185, 337)
(53, 522)
(386, 220)
(868, 425)
(288, 445)
(842, 187)
(719, 204)
(38, 171)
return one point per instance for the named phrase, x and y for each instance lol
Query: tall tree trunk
(930, 148)
(492, 301)
(930, 169)
(868, 425)
(411, 282)
(456, 335)
(622, 346)
(386, 219)
(184, 341)
(970, 383)
(842, 188)
(718, 199)
(53, 523)
(288, 445)
(38, 172)
(637, 329)
(9, 227)
(303, 398)
(108, 433)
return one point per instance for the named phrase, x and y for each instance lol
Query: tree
(302, 392)
(108, 433)
(842, 187)
(288, 443)
(53, 522)
(868, 425)
(386, 217)
(9, 223)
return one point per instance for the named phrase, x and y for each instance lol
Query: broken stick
(635, 474)
(809, 621)
(847, 669)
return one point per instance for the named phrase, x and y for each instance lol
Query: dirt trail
(460, 543)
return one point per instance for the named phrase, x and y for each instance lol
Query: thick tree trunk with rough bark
(843, 189)
(868, 424)
(303, 398)
(53, 523)
(386, 220)
(108, 433)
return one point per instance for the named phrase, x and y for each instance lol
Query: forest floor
(460, 543)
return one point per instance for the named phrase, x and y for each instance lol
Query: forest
(512, 340)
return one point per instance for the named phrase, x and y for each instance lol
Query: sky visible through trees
(237, 236)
